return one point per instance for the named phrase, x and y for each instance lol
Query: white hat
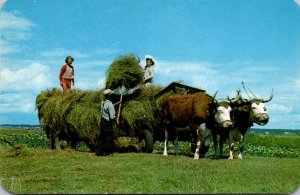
(151, 59)
(108, 91)
(148, 56)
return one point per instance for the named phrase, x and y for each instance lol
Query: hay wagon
(75, 116)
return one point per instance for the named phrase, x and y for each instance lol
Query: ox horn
(241, 98)
(238, 97)
(270, 98)
(214, 97)
(232, 100)
(263, 100)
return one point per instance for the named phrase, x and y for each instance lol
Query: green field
(37, 169)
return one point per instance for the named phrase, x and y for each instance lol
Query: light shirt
(108, 110)
(68, 74)
(148, 73)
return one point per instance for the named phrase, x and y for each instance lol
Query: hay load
(75, 116)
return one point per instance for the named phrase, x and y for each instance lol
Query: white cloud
(14, 27)
(189, 72)
(11, 20)
(13, 30)
(7, 47)
(19, 87)
(32, 78)
(17, 102)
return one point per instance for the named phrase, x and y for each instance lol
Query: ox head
(222, 116)
(255, 106)
(220, 111)
(259, 111)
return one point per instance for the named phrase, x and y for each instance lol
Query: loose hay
(19, 150)
(126, 71)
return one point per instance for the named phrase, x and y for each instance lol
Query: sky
(209, 44)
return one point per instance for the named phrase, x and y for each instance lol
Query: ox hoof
(230, 158)
(240, 157)
(196, 157)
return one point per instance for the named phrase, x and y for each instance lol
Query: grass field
(68, 171)
(40, 170)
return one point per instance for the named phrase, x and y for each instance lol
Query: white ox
(222, 120)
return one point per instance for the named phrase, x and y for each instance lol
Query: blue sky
(211, 44)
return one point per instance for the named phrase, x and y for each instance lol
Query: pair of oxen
(229, 118)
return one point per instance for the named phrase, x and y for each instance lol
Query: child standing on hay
(148, 74)
(66, 75)
(108, 114)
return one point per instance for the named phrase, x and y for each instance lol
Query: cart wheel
(146, 142)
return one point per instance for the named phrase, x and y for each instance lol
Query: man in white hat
(148, 72)
(108, 114)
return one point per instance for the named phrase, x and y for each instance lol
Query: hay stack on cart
(75, 116)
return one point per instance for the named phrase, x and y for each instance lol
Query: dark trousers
(106, 138)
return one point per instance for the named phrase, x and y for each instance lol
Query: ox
(244, 113)
(220, 129)
(221, 120)
(188, 110)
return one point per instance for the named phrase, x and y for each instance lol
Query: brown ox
(186, 110)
